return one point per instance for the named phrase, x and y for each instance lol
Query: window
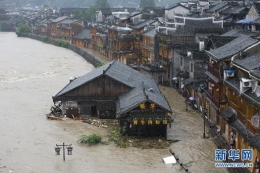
(185, 38)
(191, 67)
(181, 61)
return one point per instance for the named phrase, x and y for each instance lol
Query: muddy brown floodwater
(31, 72)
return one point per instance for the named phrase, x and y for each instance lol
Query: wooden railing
(241, 117)
(213, 99)
(213, 71)
(251, 127)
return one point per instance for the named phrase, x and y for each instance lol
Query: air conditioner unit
(246, 82)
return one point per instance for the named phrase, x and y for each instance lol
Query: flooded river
(31, 72)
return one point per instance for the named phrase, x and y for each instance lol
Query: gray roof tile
(116, 71)
(85, 34)
(232, 48)
(140, 83)
(248, 63)
(59, 19)
(136, 96)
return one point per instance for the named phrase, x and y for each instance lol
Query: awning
(244, 21)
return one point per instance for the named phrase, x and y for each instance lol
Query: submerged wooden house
(116, 91)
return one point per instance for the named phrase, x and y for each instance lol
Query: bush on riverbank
(45, 39)
(90, 139)
(119, 139)
(4, 26)
(100, 64)
(62, 43)
(22, 30)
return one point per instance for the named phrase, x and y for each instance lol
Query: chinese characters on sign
(233, 154)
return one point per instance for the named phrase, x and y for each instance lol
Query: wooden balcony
(214, 72)
(213, 99)
(241, 117)
(232, 104)
(126, 49)
(252, 128)
(165, 42)
(138, 51)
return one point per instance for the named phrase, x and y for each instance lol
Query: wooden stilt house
(117, 91)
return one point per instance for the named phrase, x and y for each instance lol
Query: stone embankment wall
(85, 54)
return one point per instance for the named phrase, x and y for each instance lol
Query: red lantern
(207, 80)
(212, 62)
(212, 85)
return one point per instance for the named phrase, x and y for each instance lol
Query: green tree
(147, 3)
(81, 14)
(23, 29)
(4, 26)
(19, 20)
(102, 4)
(91, 13)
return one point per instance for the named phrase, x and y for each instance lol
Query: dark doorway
(93, 110)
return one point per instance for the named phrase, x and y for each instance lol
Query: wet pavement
(31, 72)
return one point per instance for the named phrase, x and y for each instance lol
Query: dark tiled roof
(217, 7)
(175, 5)
(70, 10)
(141, 93)
(232, 48)
(233, 83)
(257, 6)
(69, 21)
(126, 36)
(142, 24)
(116, 71)
(234, 10)
(219, 41)
(194, 24)
(248, 63)
(150, 33)
(236, 33)
(85, 34)
(59, 19)
(255, 73)
(214, 3)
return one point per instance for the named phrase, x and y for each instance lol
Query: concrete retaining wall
(85, 54)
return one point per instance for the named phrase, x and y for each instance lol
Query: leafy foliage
(19, 20)
(102, 4)
(81, 14)
(91, 13)
(147, 3)
(100, 64)
(118, 138)
(4, 26)
(22, 30)
(62, 43)
(45, 39)
(90, 139)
